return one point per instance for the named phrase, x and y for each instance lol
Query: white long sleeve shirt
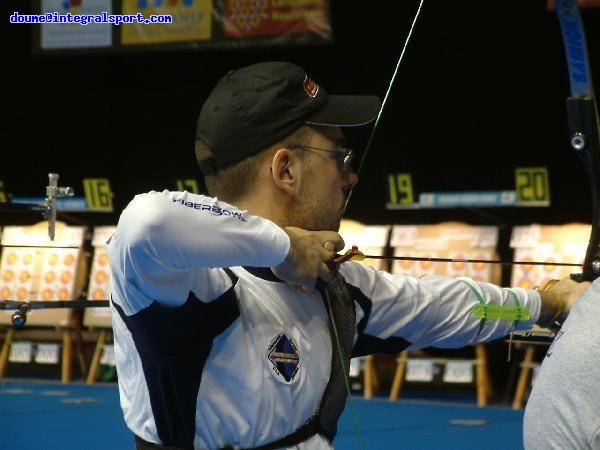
(209, 357)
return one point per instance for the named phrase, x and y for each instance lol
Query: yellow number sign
(98, 194)
(532, 185)
(3, 196)
(189, 184)
(400, 189)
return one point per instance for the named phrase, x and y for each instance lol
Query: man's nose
(349, 178)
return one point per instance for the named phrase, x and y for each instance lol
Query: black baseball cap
(254, 107)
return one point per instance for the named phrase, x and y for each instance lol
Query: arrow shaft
(485, 261)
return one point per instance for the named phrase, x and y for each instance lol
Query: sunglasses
(343, 156)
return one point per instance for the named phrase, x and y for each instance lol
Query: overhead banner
(129, 25)
(75, 35)
(191, 21)
(245, 18)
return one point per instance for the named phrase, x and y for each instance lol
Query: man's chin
(332, 226)
(337, 225)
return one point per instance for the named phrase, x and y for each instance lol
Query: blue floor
(426, 425)
(42, 415)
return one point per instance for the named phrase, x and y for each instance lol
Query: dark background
(481, 91)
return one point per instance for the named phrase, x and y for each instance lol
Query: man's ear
(285, 170)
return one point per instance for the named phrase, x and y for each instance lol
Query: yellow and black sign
(400, 189)
(188, 184)
(3, 196)
(532, 186)
(98, 194)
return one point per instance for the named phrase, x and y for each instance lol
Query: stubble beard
(311, 213)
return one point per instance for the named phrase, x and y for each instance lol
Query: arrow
(354, 254)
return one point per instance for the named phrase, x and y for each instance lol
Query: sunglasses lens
(347, 162)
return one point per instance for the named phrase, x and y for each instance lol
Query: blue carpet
(41, 415)
(54, 416)
(420, 425)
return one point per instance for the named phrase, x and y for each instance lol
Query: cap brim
(346, 111)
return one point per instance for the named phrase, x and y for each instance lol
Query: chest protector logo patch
(283, 358)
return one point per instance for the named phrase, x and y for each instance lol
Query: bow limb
(584, 128)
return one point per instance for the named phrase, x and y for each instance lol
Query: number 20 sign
(532, 186)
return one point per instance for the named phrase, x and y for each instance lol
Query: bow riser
(585, 141)
(582, 113)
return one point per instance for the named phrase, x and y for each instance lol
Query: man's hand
(557, 297)
(310, 251)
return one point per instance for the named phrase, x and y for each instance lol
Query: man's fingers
(328, 245)
(311, 256)
(325, 273)
(333, 241)
(329, 256)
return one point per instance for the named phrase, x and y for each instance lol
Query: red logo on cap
(310, 86)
